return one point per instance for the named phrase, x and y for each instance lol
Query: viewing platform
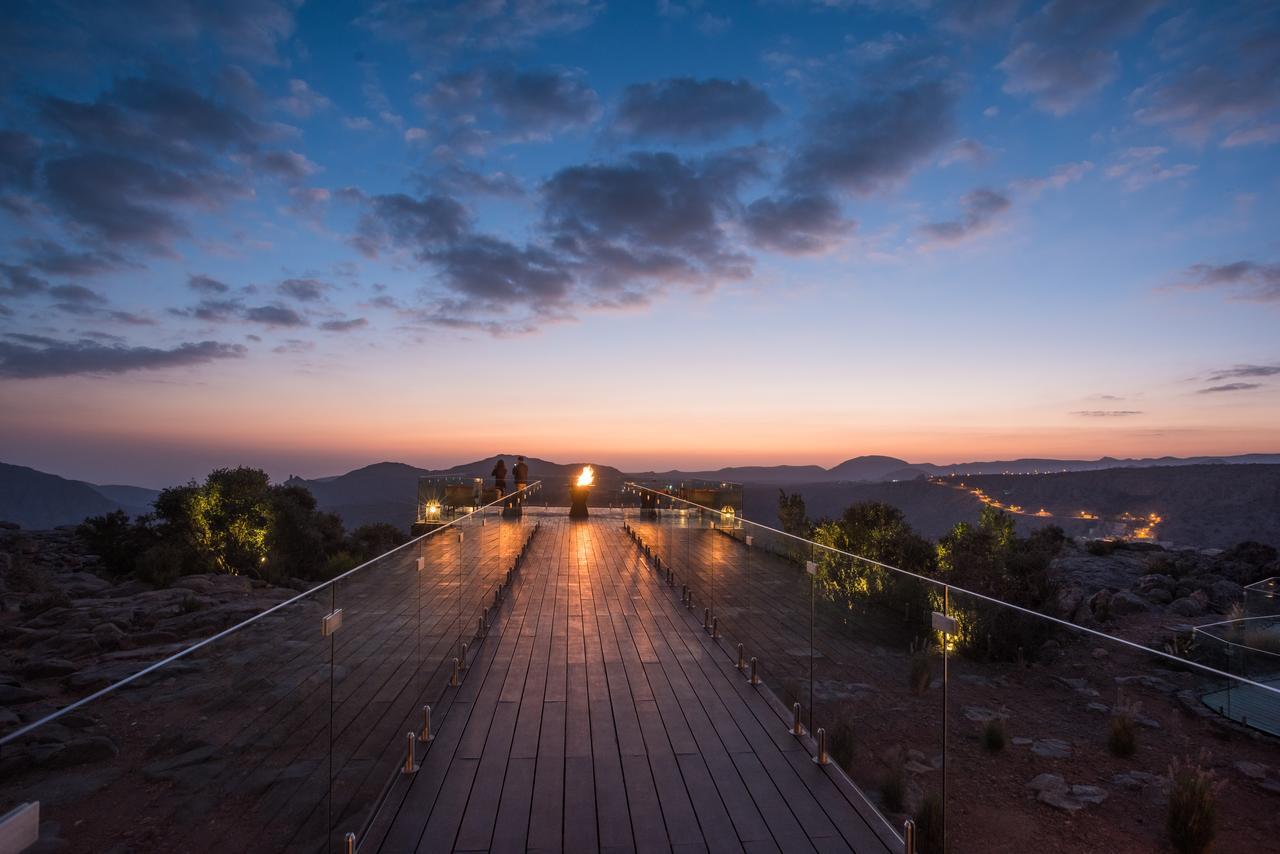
(600, 716)
(662, 675)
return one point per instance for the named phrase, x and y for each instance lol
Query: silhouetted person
(521, 473)
(500, 477)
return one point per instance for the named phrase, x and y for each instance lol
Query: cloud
(1106, 413)
(303, 101)
(1232, 85)
(491, 274)
(458, 180)
(156, 119)
(442, 26)
(19, 282)
(965, 151)
(50, 358)
(246, 29)
(1215, 389)
(77, 299)
(304, 290)
(1064, 53)
(528, 104)
(798, 224)
(1259, 135)
(56, 260)
(287, 165)
(1245, 371)
(870, 143)
(206, 284)
(684, 108)
(649, 216)
(274, 315)
(19, 155)
(539, 102)
(127, 200)
(981, 207)
(1058, 178)
(970, 17)
(1244, 280)
(344, 325)
(1141, 167)
(421, 224)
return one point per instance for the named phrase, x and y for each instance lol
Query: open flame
(587, 477)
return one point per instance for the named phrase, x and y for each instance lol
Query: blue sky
(309, 236)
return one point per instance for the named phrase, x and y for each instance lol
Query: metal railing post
(908, 837)
(741, 661)
(822, 758)
(410, 766)
(349, 843)
(426, 734)
(797, 728)
(755, 674)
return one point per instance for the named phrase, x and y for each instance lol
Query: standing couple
(520, 472)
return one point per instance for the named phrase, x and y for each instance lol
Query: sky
(312, 236)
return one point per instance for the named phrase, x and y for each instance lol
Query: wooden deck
(598, 715)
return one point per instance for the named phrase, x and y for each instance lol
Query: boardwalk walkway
(598, 716)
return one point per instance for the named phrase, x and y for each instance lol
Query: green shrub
(929, 829)
(993, 736)
(1192, 805)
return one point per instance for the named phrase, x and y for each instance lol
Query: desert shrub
(189, 605)
(840, 741)
(929, 827)
(368, 541)
(162, 564)
(893, 783)
(116, 540)
(339, 563)
(993, 735)
(1192, 805)
(21, 577)
(919, 673)
(1122, 730)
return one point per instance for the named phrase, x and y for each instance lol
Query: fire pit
(578, 493)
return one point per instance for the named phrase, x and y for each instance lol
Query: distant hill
(879, 469)
(387, 492)
(135, 499)
(1206, 506)
(34, 499)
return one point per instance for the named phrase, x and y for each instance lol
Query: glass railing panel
(1058, 738)
(378, 684)
(226, 746)
(878, 688)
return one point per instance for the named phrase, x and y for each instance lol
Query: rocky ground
(1151, 595)
(66, 631)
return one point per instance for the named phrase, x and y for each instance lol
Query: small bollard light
(426, 734)
(797, 728)
(755, 673)
(741, 661)
(822, 758)
(349, 843)
(453, 677)
(410, 766)
(909, 837)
